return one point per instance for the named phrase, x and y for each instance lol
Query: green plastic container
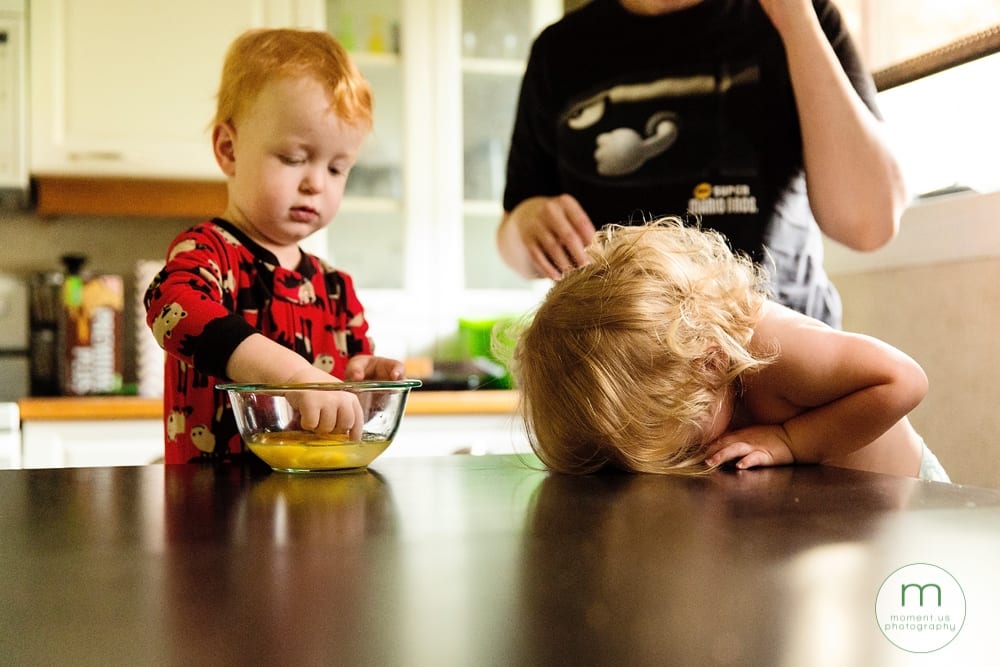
(476, 336)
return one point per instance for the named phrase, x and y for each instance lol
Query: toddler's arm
(258, 360)
(828, 394)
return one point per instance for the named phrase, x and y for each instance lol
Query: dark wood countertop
(477, 402)
(467, 560)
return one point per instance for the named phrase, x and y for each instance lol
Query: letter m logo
(921, 590)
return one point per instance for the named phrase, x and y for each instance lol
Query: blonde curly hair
(624, 361)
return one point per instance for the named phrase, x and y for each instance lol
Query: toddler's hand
(368, 367)
(329, 412)
(751, 447)
(326, 411)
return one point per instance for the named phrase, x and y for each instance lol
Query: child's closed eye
(340, 168)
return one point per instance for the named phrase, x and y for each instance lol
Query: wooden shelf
(139, 197)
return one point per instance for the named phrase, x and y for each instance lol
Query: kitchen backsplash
(112, 245)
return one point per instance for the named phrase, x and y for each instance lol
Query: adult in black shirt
(756, 118)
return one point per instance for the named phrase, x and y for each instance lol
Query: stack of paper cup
(149, 355)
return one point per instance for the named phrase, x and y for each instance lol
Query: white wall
(934, 292)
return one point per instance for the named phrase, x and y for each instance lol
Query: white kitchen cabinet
(84, 443)
(442, 435)
(13, 85)
(128, 88)
(10, 436)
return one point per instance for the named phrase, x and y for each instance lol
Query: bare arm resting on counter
(828, 397)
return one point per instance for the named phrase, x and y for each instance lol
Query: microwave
(13, 99)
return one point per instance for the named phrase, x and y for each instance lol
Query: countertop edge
(65, 408)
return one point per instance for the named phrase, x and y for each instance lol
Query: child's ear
(224, 146)
(716, 361)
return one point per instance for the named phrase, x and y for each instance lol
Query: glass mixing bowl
(268, 417)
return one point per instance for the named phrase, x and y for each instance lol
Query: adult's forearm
(856, 188)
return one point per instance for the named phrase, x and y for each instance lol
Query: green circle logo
(920, 608)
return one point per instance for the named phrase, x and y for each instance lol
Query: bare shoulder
(814, 363)
(781, 327)
(785, 336)
(811, 362)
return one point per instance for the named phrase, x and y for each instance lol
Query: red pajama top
(217, 288)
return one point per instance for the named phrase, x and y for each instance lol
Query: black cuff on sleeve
(217, 343)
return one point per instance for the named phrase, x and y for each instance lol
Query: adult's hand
(545, 236)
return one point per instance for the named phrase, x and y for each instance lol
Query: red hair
(260, 56)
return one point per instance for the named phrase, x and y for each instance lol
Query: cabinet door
(495, 41)
(67, 444)
(442, 435)
(417, 227)
(13, 172)
(128, 88)
(370, 229)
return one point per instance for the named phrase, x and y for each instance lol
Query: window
(943, 128)
(933, 64)
(891, 31)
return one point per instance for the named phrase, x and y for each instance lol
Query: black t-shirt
(691, 112)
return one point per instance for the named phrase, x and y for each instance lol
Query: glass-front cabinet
(417, 227)
(368, 236)
(495, 40)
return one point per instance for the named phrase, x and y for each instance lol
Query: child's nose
(312, 181)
